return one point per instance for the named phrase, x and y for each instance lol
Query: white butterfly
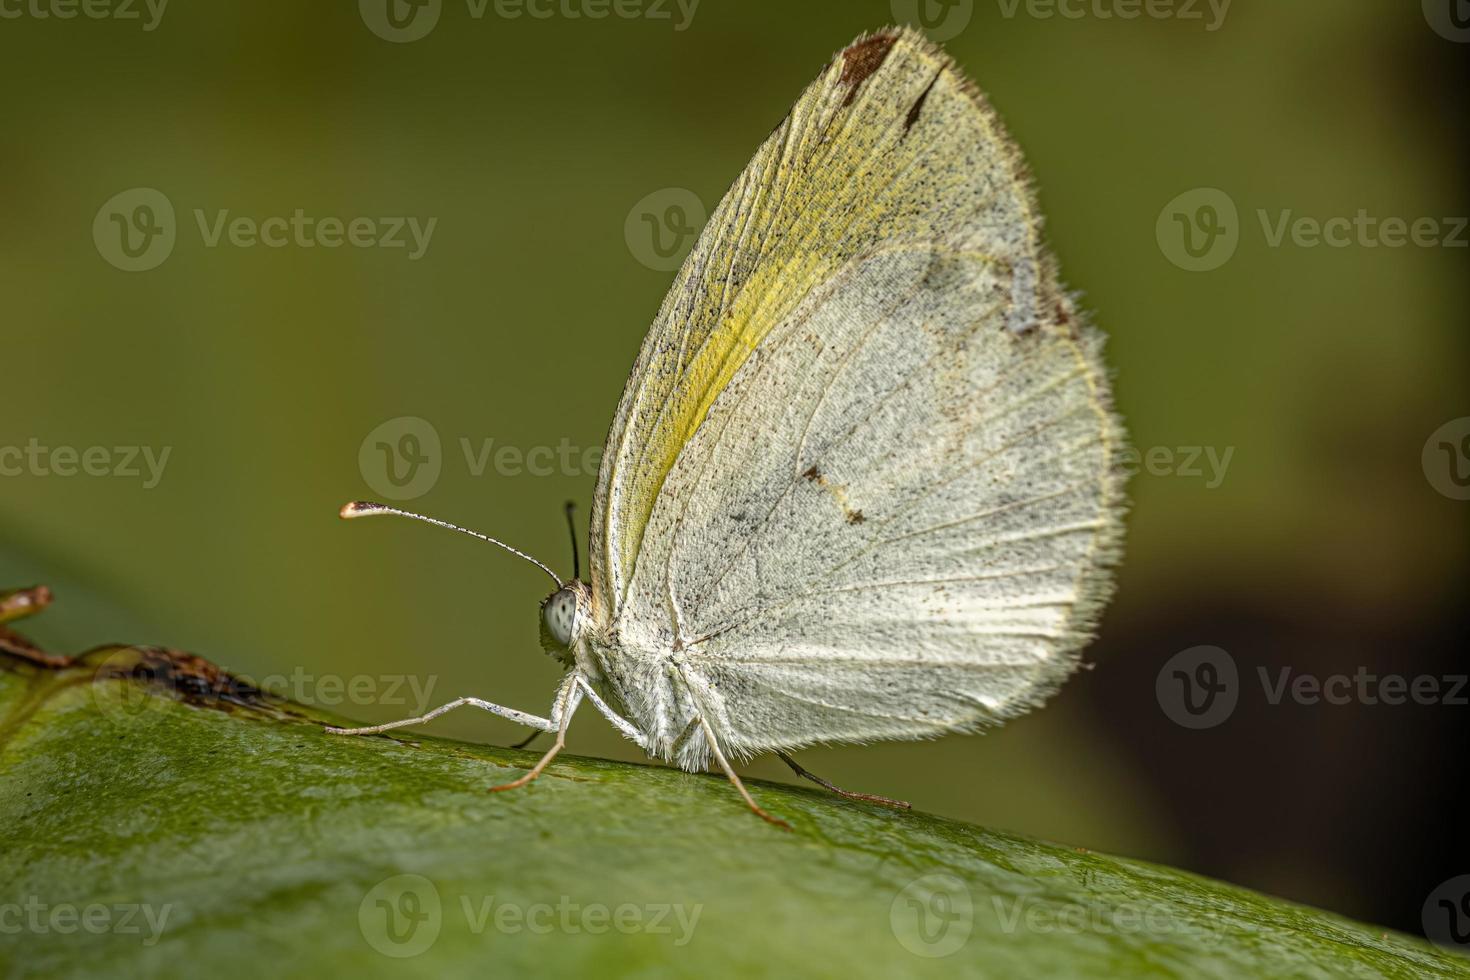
(863, 481)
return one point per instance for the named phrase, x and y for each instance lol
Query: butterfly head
(564, 615)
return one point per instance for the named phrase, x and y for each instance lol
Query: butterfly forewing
(862, 482)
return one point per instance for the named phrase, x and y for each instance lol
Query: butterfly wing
(862, 482)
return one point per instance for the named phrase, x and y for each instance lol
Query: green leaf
(158, 817)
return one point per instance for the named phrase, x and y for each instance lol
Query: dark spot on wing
(1067, 321)
(861, 59)
(813, 474)
(918, 105)
(855, 517)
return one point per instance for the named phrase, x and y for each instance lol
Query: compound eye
(560, 615)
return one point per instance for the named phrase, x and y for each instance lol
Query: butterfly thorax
(639, 682)
(651, 688)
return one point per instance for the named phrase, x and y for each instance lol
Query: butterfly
(864, 480)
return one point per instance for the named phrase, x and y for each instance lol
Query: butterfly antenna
(572, 529)
(366, 508)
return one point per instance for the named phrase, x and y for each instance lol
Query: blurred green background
(535, 144)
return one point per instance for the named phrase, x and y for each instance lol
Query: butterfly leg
(569, 696)
(510, 714)
(538, 731)
(619, 722)
(525, 741)
(714, 746)
(849, 794)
